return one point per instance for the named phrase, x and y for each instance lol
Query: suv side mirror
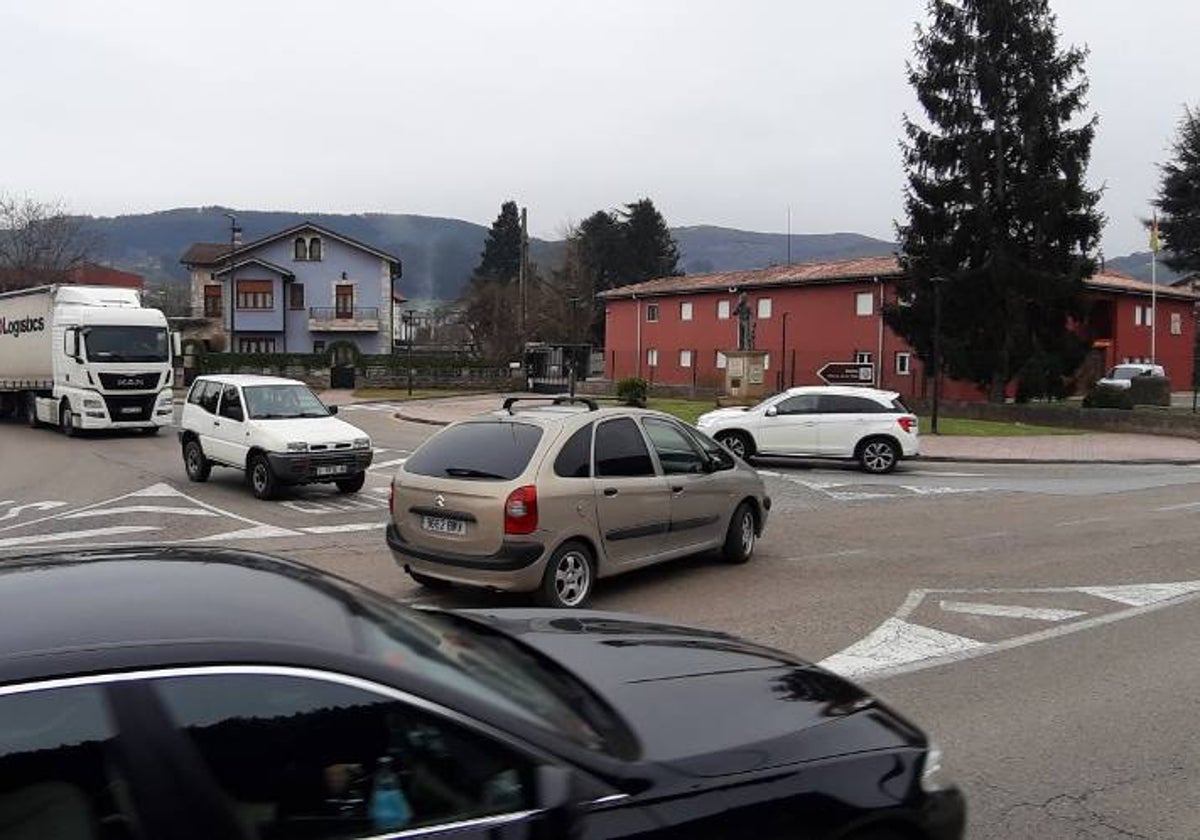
(555, 789)
(332, 409)
(771, 411)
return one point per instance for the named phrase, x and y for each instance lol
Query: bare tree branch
(40, 242)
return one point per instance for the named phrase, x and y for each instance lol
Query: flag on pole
(1154, 234)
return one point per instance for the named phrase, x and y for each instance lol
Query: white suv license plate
(336, 469)
(441, 525)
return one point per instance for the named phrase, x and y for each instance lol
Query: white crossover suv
(275, 430)
(870, 426)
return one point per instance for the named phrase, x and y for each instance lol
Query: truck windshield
(282, 402)
(126, 344)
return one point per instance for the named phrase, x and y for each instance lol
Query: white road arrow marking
(13, 513)
(1141, 595)
(33, 539)
(176, 511)
(383, 464)
(344, 529)
(154, 490)
(1003, 611)
(259, 532)
(895, 643)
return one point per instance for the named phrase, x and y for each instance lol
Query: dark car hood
(705, 702)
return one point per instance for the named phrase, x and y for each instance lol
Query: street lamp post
(937, 283)
(407, 317)
(235, 233)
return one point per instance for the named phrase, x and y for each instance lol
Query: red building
(674, 330)
(85, 274)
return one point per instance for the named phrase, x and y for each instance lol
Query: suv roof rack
(509, 402)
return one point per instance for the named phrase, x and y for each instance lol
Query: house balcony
(335, 319)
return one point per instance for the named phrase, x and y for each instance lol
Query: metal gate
(341, 376)
(555, 368)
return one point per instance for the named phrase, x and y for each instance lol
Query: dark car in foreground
(190, 693)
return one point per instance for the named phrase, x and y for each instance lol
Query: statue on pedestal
(745, 317)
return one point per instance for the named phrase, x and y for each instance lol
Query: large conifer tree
(501, 257)
(997, 200)
(1179, 197)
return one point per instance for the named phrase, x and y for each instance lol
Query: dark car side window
(206, 395)
(621, 451)
(575, 458)
(300, 757)
(231, 403)
(802, 404)
(846, 404)
(56, 749)
(676, 452)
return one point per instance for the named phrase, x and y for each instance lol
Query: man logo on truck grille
(18, 328)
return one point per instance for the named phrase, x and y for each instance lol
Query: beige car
(549, 498)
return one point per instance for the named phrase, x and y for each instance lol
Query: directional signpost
(847, 373)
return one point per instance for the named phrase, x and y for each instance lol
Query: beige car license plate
(441, 525)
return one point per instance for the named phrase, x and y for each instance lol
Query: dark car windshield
(469, 657)
(486, 450)
(126, 344)
(282, 402)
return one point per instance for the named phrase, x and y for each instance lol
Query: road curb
(424, 421)
(971, 459)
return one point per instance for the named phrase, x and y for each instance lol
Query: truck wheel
(66, 420)
(262, 481)
(197, 466)
(31, 411)
(352, 484)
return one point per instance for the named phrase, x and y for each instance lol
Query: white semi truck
(85, 357)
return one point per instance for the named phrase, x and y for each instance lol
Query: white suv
(276, 430)
(1122, 375)
(870, 426)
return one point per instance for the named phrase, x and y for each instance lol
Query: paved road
(1039, 620)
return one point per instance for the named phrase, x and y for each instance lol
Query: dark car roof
(54, 603)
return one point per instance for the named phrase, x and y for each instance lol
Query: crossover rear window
(496, 451)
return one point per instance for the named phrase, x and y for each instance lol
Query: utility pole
(523, 276)
(235, 235)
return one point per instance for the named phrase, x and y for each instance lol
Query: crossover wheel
(738, 443)
(569, 576)
(741, 536)
(66, 420)
(878, 456)
(262, 481)
(352, 484)
(197, 466)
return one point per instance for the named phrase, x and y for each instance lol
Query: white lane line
(1090, 521)
(74, 535)
(943, 491)
(1141, 595)
(177, 511)
(896, 643)
(937, 474)
(859, 497)
(344, 529)
(393, 463)
(1004, 611)
(1169, 508)
(258, 532)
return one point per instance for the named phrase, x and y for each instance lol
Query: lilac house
(301, 290)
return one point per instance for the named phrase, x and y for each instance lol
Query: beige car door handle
(677, 489)
(610, 491)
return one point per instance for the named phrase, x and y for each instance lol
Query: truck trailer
(85, 357)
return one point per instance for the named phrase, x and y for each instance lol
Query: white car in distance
(276, 430)
(1121, 375)
(868, 425)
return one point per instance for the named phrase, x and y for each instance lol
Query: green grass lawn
(685, 410)
(990, 428)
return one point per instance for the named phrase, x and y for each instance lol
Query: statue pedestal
(746, 374)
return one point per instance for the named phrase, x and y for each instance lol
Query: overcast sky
(722, 112)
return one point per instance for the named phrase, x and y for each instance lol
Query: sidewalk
(1092, 448)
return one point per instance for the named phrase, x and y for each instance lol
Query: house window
(300, 249)
(864, 303)
(764, 307)
(767, 361)
(722, 362)
(296, 296)
(903, 364)
(1176, 324)
(685, 358)
(652, 357)
(212, 301)
(1143, 316)
(685, 311)
(652, 312)
(255, 294)
(314, 248)
(723, 310)
(256, 345)
(343, 301)
(862, 358)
